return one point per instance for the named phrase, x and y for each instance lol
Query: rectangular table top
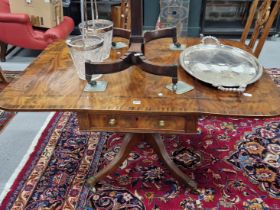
(51, 83)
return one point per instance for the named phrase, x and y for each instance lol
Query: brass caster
(192, 184)
(91, 182)
(195, 191)
(93, 189)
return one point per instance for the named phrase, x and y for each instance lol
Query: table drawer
(133, 123)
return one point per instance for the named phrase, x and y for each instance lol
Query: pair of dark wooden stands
(136, 52)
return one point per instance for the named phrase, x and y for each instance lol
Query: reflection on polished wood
(134, 101)
(51, 83)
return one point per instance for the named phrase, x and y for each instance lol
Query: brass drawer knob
(161, 123)
(112, 122)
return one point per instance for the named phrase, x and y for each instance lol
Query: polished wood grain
(261, 17)
(125, 14)
(143, 123)
(116, 15)
(51, 83)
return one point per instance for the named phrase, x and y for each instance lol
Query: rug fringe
(25, 158)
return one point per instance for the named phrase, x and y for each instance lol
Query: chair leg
(3, 51)
(2, 76)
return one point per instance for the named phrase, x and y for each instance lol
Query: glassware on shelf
(102, 28)
(84, 49)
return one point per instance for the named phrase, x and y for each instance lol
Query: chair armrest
(14, 18)
(61, 31)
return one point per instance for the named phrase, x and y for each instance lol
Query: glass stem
(92, 11)
(83, 18)
(96, 10)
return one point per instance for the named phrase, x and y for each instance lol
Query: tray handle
(237, 89)
(214, 39)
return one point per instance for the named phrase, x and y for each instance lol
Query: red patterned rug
(5, 116)
(236, 163)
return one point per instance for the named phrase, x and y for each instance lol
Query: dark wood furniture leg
(3, 51)
(128, 142)
(157, 143)
(2, 76)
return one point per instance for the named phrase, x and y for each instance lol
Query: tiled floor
(18, 135)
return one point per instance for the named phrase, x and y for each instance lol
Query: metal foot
(195, 191)
(180, 87)
(96, 86)
(91, 182)
(118, 45)
(177, 47)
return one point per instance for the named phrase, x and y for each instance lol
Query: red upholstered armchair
(16, 30)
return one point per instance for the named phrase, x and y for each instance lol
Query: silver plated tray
(225, 67)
